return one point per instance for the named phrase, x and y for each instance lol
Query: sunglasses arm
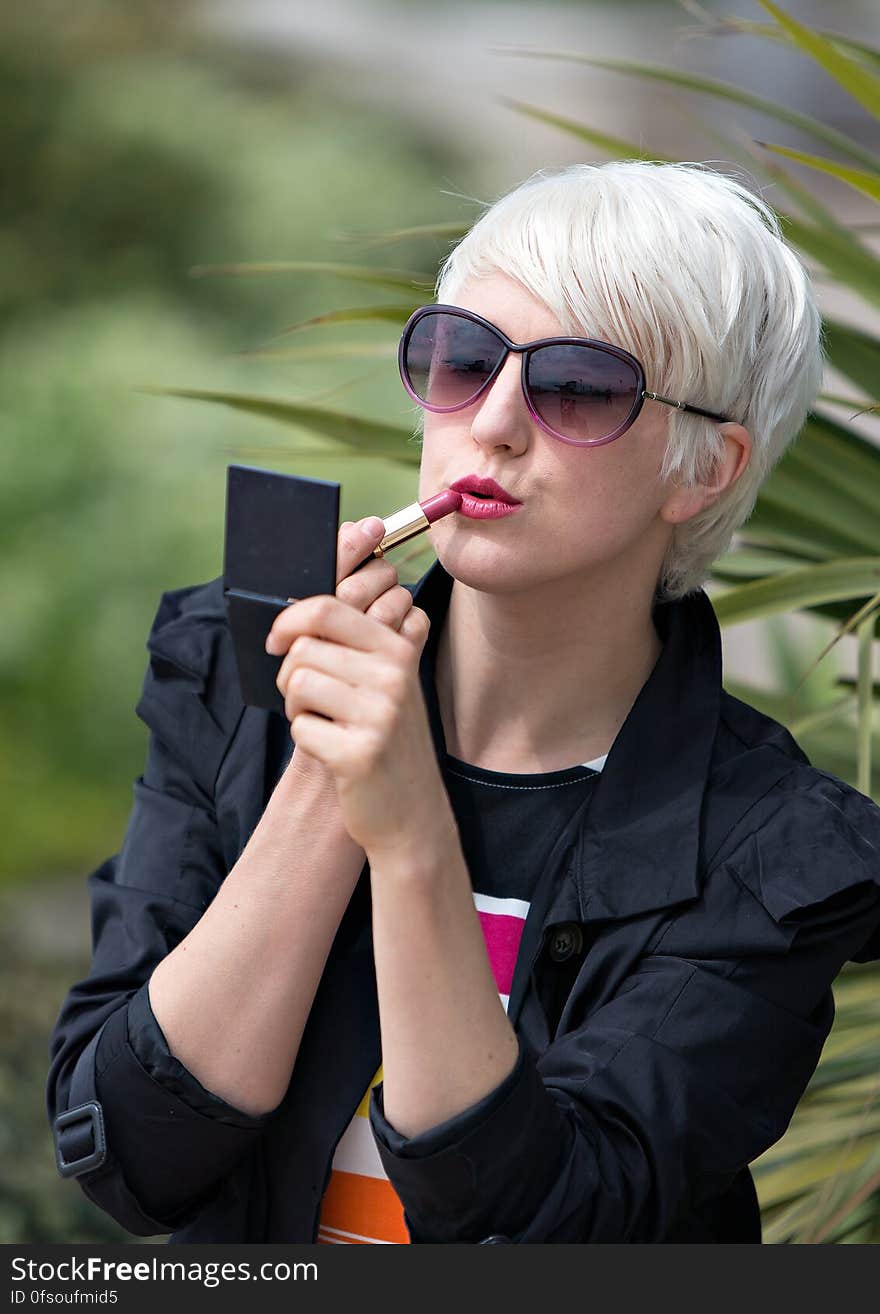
(683, 406)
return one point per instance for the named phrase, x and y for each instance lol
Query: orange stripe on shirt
(360, 1206)
(369, 1207)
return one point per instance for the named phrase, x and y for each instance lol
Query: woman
(514, 843)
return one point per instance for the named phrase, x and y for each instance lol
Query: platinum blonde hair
(688, 270)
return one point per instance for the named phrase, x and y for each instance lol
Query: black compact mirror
(280, 543)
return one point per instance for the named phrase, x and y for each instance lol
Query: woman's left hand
(354, 700)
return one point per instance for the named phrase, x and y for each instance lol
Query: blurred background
(142, 141)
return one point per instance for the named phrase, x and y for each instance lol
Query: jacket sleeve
(641, 1110)
(168, 1141)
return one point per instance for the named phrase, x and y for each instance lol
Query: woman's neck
(516, 695)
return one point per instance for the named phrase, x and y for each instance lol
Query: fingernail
(372, 527)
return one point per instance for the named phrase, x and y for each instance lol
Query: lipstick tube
(402, 526)
(412, 520)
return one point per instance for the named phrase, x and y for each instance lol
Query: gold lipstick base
(401, 527)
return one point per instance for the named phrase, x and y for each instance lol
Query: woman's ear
(684, 503)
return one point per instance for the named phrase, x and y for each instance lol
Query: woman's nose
(502, 416)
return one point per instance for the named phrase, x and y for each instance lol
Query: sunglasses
(578, 390)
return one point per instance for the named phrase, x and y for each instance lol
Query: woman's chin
(486, 566)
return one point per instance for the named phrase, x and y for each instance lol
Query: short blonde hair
(689, 271)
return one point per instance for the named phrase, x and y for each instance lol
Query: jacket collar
(639, 840)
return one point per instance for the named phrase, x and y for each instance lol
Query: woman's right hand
(374, 590)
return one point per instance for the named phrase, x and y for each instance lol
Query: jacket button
(566, 940)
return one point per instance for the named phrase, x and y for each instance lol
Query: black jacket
(672, 993)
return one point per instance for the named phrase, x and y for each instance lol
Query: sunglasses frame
(527, 349)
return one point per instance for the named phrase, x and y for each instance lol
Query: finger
(366, 710)
(313, 691)
(356, 541)
(375, 591)
(328, 618)
(290, 663)
(367, 584)
(415, 627)
(392, 608)
(347, 664)
(324, 740)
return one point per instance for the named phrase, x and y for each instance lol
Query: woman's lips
(484, 508)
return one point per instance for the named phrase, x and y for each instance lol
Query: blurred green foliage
(36, 968)
(133, 148)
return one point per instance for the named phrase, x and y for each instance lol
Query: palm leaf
(450, 231)
(842, 444)
(325, 351)
(854, 353)
(849, 73)
(865, 695)
(775, 525)
(752, 563)
(728, 26)
(612, 145)
(792, 498)
(800, 589)
(392, 279)
(727, 91)
(378, 438)
(829, 715)
(863, 181)
(807, 201)
(853, 1194)
(857, 408)
(394, 314)
(778, 1183)
(855, 622)
(843, 256)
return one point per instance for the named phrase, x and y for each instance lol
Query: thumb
(355, 544)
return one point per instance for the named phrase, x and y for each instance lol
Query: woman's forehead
(508, 304)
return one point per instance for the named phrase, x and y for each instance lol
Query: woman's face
(585, 511)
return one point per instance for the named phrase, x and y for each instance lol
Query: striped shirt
(507, 823)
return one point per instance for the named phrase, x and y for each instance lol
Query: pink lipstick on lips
(483, 499)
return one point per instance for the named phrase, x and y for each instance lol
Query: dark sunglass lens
(581, 392)
(448, 359)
